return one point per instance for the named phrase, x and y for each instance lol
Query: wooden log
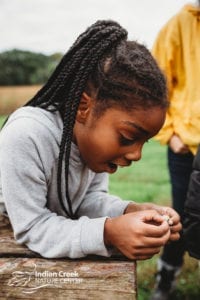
(8, 245)
(26, 275)
(59, 279)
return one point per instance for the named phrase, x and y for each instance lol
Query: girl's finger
(176, 228)
(156, 231)
(174, 236)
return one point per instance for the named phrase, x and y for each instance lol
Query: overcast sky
(50, 26)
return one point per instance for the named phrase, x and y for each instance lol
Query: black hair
(102, 60)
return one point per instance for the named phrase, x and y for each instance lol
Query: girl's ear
(84, 109)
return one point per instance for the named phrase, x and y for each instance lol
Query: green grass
(2, 119)
(148, 181)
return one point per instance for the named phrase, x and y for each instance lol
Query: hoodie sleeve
(98, 202)
(25, 189)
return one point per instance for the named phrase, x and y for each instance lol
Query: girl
(105, 99)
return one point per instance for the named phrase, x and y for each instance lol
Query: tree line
(18, 67)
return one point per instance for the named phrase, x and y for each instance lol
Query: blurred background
(36, 33)
(33, 37)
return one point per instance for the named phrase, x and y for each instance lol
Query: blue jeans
(180, 168)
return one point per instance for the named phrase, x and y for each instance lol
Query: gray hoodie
(29, 148)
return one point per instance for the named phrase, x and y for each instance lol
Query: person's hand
(137, 235)
(173, 220)
(177, 146)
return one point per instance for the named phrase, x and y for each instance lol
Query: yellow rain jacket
(177, 50)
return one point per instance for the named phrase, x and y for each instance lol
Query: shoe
(165, 281)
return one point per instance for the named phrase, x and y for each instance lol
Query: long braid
(76, 91)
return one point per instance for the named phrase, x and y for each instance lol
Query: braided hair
(102, 60)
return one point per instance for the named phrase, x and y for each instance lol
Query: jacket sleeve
(164, 51)
(25, 189)
(191, 221)
(98, 202)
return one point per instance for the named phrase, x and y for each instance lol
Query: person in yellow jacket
(177, 51)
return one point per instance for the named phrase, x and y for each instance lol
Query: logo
(33, 280)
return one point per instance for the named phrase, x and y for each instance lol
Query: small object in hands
(168, 219)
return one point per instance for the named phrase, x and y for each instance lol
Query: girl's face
(115, 139)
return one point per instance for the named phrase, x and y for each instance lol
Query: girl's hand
(137, 235)
(173, 221)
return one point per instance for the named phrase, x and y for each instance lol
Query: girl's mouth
(112, 167)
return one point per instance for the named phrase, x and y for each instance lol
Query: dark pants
(180, 168)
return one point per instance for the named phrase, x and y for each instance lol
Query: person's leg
(180, 168)
(169, 265)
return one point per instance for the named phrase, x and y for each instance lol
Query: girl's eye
(124, 141)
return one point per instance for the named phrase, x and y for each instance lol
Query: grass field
(12, 97)
(2, 119)
(145, 181)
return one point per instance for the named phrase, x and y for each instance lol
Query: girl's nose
(134, 154)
